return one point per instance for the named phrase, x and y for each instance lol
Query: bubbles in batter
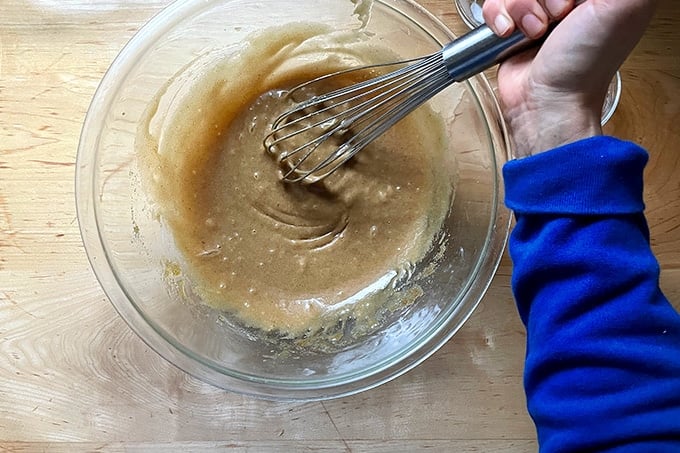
(289, 258)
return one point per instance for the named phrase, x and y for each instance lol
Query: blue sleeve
(602, 371)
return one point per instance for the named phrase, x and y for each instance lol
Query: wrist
(533, 131)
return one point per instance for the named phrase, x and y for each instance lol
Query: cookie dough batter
(289, 258)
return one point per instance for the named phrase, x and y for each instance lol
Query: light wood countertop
(73, 376)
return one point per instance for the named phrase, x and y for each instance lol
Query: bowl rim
(181, 357)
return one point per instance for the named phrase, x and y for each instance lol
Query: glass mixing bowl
(133, 255)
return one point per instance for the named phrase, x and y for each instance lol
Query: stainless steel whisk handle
(479, 50)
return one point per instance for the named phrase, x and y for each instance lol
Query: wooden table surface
(74, 377)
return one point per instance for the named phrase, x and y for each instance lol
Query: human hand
(553, 95)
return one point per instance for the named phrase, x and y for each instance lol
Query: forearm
(603, 343)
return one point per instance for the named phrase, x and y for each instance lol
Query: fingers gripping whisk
(323, 131)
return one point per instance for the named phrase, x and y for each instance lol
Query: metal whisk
(321, 133)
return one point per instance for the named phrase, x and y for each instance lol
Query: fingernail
(502, 24)
(555, 7)
(532, 26)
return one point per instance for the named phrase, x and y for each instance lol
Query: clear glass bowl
(130, 251)
(471, 13)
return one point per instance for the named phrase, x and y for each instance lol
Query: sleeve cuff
(596, 176)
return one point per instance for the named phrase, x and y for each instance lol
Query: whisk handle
(479, 50)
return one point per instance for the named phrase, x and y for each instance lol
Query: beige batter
(287, 258)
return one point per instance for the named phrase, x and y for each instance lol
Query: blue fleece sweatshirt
(602, 370)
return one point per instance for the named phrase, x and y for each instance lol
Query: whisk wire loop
(364, 107)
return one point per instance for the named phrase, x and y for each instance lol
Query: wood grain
(436, 446)
(73, 377)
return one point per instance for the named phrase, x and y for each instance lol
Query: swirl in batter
(286, 258)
